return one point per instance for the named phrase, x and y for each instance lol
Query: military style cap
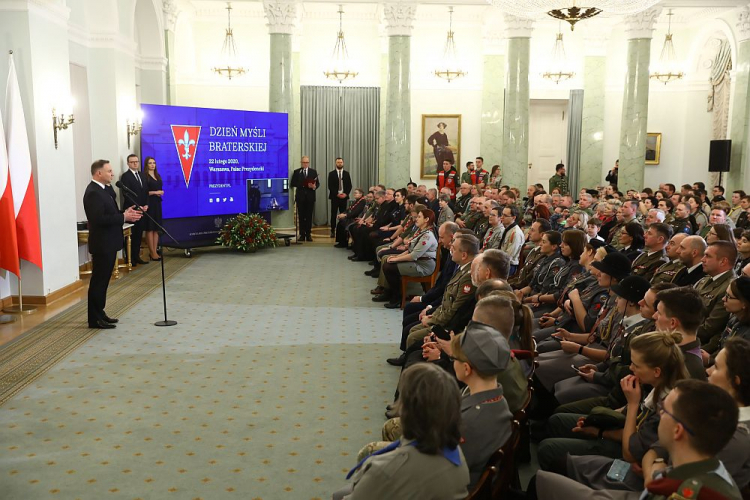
(485, 348)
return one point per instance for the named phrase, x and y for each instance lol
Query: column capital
(517, 27)
(170, 14)
(641, 25)
(743, 24)
(281, 16)
(399, 18)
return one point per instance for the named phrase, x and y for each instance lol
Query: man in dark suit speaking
(136, 182)
(105, 239)
(339, 187)
(305, 181)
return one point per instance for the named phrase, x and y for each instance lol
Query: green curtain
(345, 122)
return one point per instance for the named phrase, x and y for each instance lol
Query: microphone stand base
(165, 323)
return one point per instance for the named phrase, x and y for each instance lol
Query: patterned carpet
(267, 388)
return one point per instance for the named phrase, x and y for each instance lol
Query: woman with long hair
(574, 312)
(155, 187)
(737, 304)
(571, 248)
(720, 232)
(656, 362)
(427, 461)
(496, 177)
(633, 240)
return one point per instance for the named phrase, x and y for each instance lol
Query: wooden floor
(23, 323)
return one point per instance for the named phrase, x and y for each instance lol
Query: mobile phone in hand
(575, 368)
(440, 332)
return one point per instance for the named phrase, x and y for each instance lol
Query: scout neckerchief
(450, 454)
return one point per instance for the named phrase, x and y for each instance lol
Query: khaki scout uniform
(458, 290)
(492, 238)
(647, 263)
(712, 293)
(666, 273)
(618, 229)
(481, 227)
(527, 271)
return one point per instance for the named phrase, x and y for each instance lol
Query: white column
(281, 16)
(399, 19)
(639, 29)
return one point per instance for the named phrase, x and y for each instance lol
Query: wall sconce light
(134, 126)
(60, 122)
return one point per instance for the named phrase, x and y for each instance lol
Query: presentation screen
(216, 161)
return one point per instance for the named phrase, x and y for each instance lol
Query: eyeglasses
(729, 297)
(453, 358)
(660, 408)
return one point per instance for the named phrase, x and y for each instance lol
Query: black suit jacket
(685, 278)
(129, 180)
(333, 184)
(105, 220)
(298, 180)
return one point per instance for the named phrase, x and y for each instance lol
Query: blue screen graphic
(210, 160)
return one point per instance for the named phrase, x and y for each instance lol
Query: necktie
(341, 183)
(139, 178)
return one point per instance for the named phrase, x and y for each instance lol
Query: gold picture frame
(653, 148)
(433, 145)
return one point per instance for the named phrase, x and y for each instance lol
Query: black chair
(522, 416)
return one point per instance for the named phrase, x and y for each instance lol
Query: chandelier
(449, 68)
(668, 69)
(340, 69)
(228, 63)
(559, 63)
(572, 11)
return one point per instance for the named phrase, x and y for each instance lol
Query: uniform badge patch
(424, 242)
(467, 288)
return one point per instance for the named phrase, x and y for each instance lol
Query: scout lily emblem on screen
(186, 140)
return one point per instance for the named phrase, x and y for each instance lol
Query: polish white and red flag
(21, 176)
(8, 240)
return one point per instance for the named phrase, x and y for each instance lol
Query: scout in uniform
(523, 278)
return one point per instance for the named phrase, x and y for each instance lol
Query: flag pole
(20, 308)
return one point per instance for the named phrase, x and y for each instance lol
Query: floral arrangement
(247, 233)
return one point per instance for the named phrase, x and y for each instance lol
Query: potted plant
(247, 232)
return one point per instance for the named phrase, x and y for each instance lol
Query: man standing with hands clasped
(339, 187)
(305, 181)
(105, 239)
(133, 180)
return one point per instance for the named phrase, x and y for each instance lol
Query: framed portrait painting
(653, 148)
(441, 140)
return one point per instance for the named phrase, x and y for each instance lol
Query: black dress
(154, 203)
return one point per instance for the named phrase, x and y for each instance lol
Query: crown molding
(53, 11)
